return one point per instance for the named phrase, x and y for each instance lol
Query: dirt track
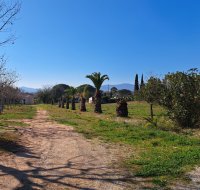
(53, 156)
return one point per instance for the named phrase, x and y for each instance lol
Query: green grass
(9, 119)
(18, 112)
(158, 154)
(137, 110)
(12, 116)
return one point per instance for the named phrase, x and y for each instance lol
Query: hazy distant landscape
(104, 88)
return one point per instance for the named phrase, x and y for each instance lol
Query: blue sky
(61, 41)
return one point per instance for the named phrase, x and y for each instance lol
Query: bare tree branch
(8, 14)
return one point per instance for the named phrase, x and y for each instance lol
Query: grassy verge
(18, 112)
(11, 116)
(9, 119)
(160, 155)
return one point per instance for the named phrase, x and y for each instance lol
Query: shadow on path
(16, 148)
(65, 176)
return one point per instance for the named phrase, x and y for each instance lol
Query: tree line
(178, 93)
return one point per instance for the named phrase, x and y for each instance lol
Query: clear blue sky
(60, 41)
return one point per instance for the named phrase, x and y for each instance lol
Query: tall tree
(7, 80)
(136, 87)
(153, 92)
(82, 104)
(113, 91)
(97, 80)
(142, 82)
(58, 91)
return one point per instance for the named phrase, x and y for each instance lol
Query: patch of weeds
(161, 182)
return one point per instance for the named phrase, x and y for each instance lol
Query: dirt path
(54, 157)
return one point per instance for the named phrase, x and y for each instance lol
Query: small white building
(28, 99)
(91, 100)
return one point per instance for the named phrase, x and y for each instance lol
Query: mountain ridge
(121, 86)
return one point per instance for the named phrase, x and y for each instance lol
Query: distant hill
(119, 86)
(29, 90)
(104, 88)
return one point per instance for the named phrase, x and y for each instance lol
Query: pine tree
(136, 88)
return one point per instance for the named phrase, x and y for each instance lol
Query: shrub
(181, 97)
(179, 93)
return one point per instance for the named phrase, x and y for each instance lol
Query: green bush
(181, 97)
(179, 93)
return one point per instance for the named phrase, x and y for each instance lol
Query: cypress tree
(142, 82)
(136, 87)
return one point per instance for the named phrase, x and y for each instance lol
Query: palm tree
(82, 105)
(97, 80)
(122, 108)
(71, 92)
(67, 102)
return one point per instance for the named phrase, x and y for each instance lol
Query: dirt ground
(52, 156)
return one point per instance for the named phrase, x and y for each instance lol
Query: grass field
(11, 116)
(9, 119)
(18, 112)
(157, 154)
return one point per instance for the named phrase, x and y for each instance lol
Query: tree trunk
(122, 108)
(59, 104)
(67, 104)
(63, 104)
(82, 106)
(73, 104)
(97, 108)
(151, 111)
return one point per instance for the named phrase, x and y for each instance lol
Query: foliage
(58, 91)
(136, 86)
(179, 93)
(113, 92)
(181, 97)
(153, 90)
(97, 79)
(71, 91)
(44, 95)
(113, 89)
(142, 82)
(124, 93)
(88, 91)
(83, 87)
